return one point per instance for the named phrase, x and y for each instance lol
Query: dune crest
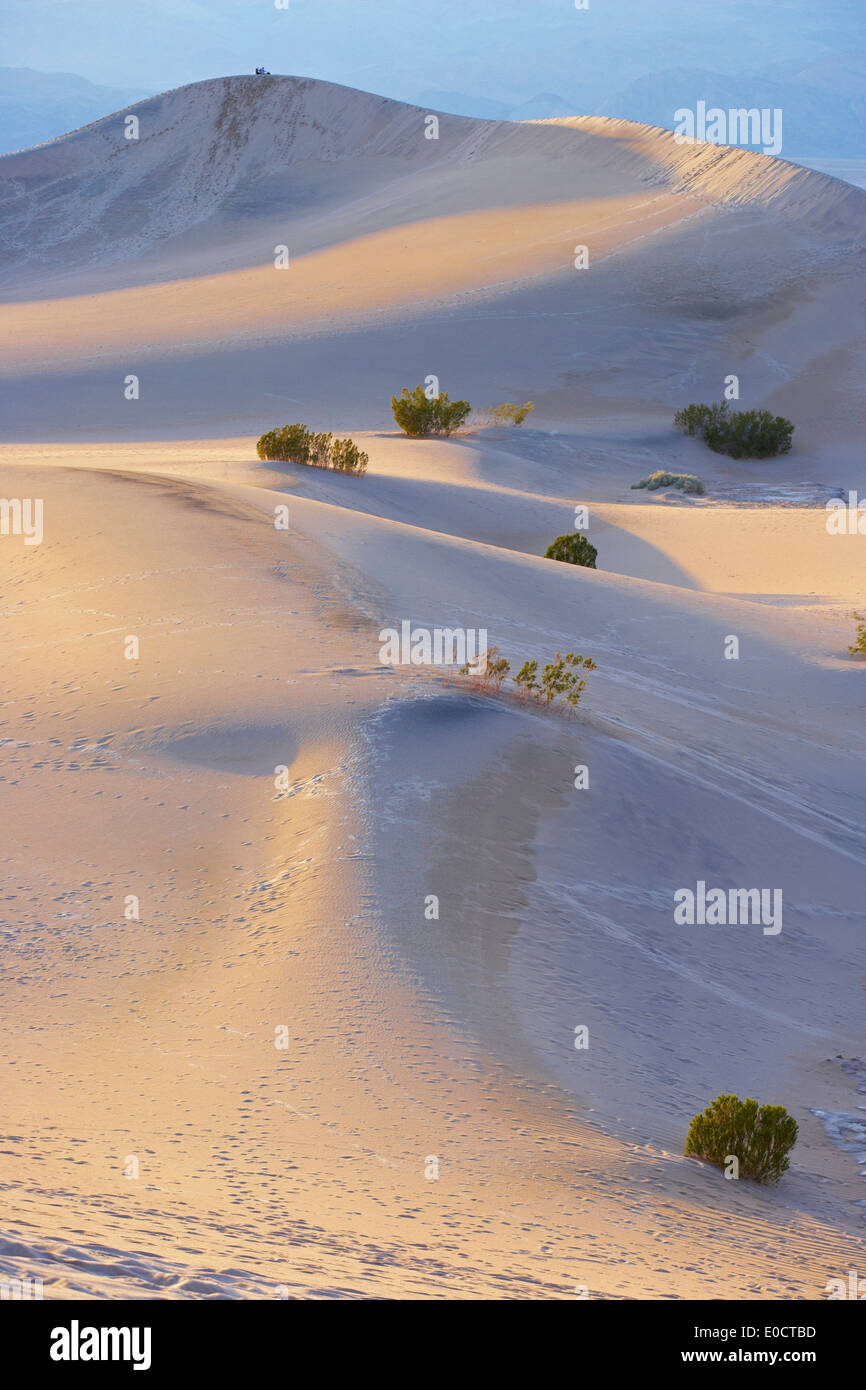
(229, 146)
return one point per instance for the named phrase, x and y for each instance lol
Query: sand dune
(221, 155)
(230, 837)
(156, 257)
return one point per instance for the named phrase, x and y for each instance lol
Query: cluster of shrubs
(561, 677)
(420, 414)
(741, 433)
(417, 413)
(686, 482)
(760, 1137)
(297, 444)
(573, 550)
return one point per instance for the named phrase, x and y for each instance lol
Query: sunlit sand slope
(270, 242)
(301, 907)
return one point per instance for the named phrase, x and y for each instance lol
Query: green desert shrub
(346, 457)
(740, 433)
(319, 447)
(526, 679)
(497, 667)
(686, 482)
(507, 414)
(859, 647)
(750, 434)
(297, 444)
(288, 443)
(489, 670)
(573, 550)
(562, 677)
(418, 416)
(693, 418)
(759, 1136)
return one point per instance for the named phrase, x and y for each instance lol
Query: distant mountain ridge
(821, 118)
(39, 106)
(823, 105)
(538, 108)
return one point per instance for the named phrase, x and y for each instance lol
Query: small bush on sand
(319, 448)
(692, 419)
(526, 679)
(746, 434)
(859, 647)
(418, 416)
(759, 1136)
(561, 677)
(507, 414)
(573, 550)
(741, 433)
(488, 670)
(297, 444)
(686, 482)
(288, 443)
(346, 457)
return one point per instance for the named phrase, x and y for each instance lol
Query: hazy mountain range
(824, 111)
(497, 58)
(823, 104)
(502, 50)
(39, 106)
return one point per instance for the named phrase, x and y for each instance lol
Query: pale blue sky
(507, 50)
